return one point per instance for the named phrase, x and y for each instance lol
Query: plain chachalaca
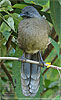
(33, 33)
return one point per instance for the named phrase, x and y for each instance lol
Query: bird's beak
(21, 14)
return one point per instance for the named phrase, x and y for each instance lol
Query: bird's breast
(33, 34)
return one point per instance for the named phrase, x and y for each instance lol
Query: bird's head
(29, 12)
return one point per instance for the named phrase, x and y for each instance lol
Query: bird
(33, 32)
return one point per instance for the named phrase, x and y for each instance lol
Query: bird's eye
(27, 13)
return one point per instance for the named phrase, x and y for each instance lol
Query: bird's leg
(22, 57)
(41, 59)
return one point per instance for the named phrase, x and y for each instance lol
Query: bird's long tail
(30, 76)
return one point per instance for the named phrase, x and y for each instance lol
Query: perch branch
(29, 61)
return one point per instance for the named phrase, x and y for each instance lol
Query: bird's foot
(42, 63)
(22, 58)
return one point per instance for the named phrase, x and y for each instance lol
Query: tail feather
(25, 68)
(30, 76)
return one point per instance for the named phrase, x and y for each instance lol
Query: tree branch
(29, 61)
(49, 49)
(7, 72)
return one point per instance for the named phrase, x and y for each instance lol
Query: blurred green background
(50, 80)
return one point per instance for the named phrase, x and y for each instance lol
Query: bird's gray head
(30, 12)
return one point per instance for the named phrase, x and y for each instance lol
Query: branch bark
(29, 61)
(7, 73)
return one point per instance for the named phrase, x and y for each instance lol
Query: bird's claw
(42, 63)
(22, 58)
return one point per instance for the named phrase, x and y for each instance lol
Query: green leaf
(5, 3)
(20, 6)
(6, 34)
(47, 82)
(3, 50)
(57, 97)
(16, 19)
(11, 23)
(9, 8)
(23, 4)
(53, 84)
(16, 74)
(56, 15)
(37, 2)
(59, 1)
(56, 46)
(4, 27)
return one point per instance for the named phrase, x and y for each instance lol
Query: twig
(29, 61)
(7, 72)
(54, 59)
(9, 42)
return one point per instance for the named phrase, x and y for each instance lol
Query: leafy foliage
(55, 44)
(55, 15)
(9, 11)
(38, 2)
(16, 73)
